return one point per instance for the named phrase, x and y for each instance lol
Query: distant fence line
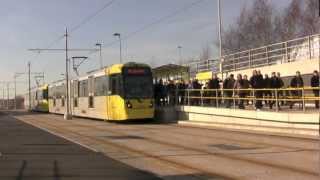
(278, 53)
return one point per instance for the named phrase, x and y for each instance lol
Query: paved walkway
(28, 153)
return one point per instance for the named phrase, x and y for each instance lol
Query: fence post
(254, 98)
(176, 99)
(303, 100)
(188, 98)
(234, 99)
(277, 100)
(309, 47)
(201, 97)
(217, 101)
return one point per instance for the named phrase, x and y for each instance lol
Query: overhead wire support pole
(100, 49)
(15, 92)
(8, 98)
(29, 84)
(67, 114)
(220, 39)
(119, 36)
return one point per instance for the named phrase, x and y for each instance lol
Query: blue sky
(36, 23)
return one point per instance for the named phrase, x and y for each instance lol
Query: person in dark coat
(267, 92)
(275, 83)
(228, 85)
(214, 86)
(196, 93)
(314, 82)
(159, 93)
(238, 87)
(256, 82)
(296, 82)
(181, 91)
(246, 85)
(206, 94)
(171, 88)
(281, 85)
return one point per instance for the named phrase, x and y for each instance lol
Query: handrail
(220, 97)
(282, 52)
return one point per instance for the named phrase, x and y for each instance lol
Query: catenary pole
(220, 40)
(8, 95)
(15, 92)
(67, 113)
(29, 84)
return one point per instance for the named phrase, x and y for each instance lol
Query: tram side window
(58, 92)
(115, 85)
(50, 95)
(76, 88)
(39, 95)
(101, 86)
(83, 88)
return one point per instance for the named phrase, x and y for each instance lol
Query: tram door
(114, 94)
(91, 93)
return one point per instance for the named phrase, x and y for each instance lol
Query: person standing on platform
(246, 85)
(296, 82)
(238, 85)
(267, 92)
(214, 86)
(181, 92)
(197, 92)
(281, 85)
(275, 83)
(256, 82)
(171, 88)
(315, 84)
(228, 85)
(160, 93)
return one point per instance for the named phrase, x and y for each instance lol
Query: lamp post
(15, 91)
(119, 35)
(100, 49)
(220, 40)
(180, 54)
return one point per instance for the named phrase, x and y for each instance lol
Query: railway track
(184, 167)
(175, 145)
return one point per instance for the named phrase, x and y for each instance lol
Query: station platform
(286, 122)
(29, 153)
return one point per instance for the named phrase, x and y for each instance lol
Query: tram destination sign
(137, 71)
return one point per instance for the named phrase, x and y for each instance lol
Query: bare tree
(311, 20)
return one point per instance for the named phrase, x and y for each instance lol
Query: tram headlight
(151, 104)
(129, 105)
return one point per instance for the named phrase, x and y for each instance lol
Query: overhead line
(87, 19)
(76, 27)
(160, 20)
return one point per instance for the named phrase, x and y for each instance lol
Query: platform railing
(298, 99)
(304, 48)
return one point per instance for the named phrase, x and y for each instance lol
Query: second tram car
(119, 92)
(39, 99)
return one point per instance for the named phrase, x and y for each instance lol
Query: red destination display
(136, 71)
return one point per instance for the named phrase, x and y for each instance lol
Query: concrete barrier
(292, 123)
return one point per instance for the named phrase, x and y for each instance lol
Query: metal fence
(298, 99)
(284, 52)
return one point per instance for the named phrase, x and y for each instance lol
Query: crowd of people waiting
(259, 86)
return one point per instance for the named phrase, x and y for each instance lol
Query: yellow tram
(119, 92)
(39, 99)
